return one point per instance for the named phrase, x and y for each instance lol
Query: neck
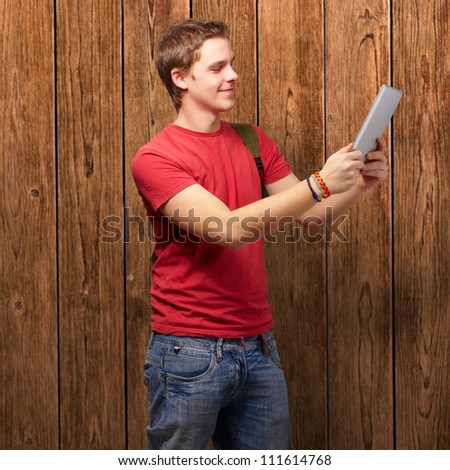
(199, 122)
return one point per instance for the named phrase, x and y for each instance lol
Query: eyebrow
(220, 62)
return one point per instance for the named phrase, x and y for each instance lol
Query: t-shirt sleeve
(275, 165)
(158, 178)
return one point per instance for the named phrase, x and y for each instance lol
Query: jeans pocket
(274, 356)
(187, 364)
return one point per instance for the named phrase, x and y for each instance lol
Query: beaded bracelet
(322, 184)
(314, 194)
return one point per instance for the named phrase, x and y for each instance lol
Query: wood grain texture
(148, 109)
(240, 16)
(359, 271)
(28, 339)
(291, 112)
(421, 235)
(92, 393)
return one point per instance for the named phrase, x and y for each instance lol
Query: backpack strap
(250, 139)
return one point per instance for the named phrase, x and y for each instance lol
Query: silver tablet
(377, 119)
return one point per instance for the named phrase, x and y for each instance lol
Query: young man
(212, 367)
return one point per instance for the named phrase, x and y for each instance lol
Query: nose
(231, 76)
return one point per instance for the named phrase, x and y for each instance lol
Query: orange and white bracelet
(323, 186)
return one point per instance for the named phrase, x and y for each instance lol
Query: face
(209, 84)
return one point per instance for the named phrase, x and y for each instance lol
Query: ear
(179, 78)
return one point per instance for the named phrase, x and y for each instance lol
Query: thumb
(346, 149)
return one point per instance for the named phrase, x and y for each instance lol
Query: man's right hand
(341, 171)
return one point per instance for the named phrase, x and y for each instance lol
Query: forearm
(329, 209)
(196, 210)
(269, 212)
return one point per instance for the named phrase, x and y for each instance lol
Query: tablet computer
(377, 119)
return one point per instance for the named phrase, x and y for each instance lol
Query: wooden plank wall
(29, 321)
(292, 32)
(362, 325)
(421, 226)
(359, 272)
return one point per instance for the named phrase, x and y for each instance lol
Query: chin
(229, 106)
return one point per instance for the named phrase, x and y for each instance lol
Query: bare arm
(196, 210)
(373, 172)
(339, 202)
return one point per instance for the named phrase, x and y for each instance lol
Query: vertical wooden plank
(89, 79)
(291, 112)
(422, 248)
(28, 342)
(240, 16)
(148, 109)
(359, 271)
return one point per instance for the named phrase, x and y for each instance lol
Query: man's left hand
(376, 167)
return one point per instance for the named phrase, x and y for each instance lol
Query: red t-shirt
(200, 288)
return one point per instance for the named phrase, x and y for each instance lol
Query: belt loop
(219, 349)
(265, 343)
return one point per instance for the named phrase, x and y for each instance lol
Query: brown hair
(178, 48)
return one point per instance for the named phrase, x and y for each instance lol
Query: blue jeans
(232, 390)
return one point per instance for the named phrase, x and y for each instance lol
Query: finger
(355, 154)
(381, 145)
(346, 149)
(378, 174)
(358, 165)
(376, 156)
(369, 169)
(373, 164)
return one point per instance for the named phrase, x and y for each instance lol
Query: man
(212, 367)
